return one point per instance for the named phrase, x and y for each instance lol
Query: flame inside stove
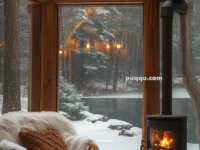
(163, 139)
(165, 142)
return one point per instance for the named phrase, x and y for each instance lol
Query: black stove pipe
(167, 11)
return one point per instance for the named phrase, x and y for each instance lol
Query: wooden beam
(35, 12)
(49, 57)
(151, 99)
(44, 1)
(61, 2)
(39, 1)
(101, 2)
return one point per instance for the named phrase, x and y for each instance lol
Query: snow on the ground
(192, 146)
(108, 139)
(117, 95)
(177, 93)
(24, 104)
(91, 116)
(105, 138)
(179, 80)
(121, 84)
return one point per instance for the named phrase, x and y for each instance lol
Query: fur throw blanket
(12, 123)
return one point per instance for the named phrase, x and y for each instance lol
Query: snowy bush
(70, 100)
(96, 63)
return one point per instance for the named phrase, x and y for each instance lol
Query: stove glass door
(162, 139)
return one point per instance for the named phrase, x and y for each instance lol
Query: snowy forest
(99, 48)
(107, 42)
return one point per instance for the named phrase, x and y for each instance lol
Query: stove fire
(162, 140)
(165, 142)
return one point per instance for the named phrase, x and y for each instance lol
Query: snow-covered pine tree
(70, 100)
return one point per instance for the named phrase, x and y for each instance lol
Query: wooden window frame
(44, 50)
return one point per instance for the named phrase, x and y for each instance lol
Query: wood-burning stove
(167, 131)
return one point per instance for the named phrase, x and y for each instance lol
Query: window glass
(182, 102)
(14, 56)
(100, 48)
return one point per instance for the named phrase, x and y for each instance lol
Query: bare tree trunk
(109, 65)
(11, 95)
(1, 43)
(192, 86)
(116, 70)
(137, 55)
(1, 64)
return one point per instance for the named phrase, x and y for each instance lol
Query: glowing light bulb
(60, 52)
(88, 46)
(107, 46)
(118, 46)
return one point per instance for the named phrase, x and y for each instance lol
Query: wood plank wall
(49, 55)
(35, 48)
(151, 58)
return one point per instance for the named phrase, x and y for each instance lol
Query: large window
(14, 56)
(99, 48)
(182, 102)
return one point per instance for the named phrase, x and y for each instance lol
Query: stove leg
(142, 144)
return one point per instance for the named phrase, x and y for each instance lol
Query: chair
(12, 123)
(92, 146)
